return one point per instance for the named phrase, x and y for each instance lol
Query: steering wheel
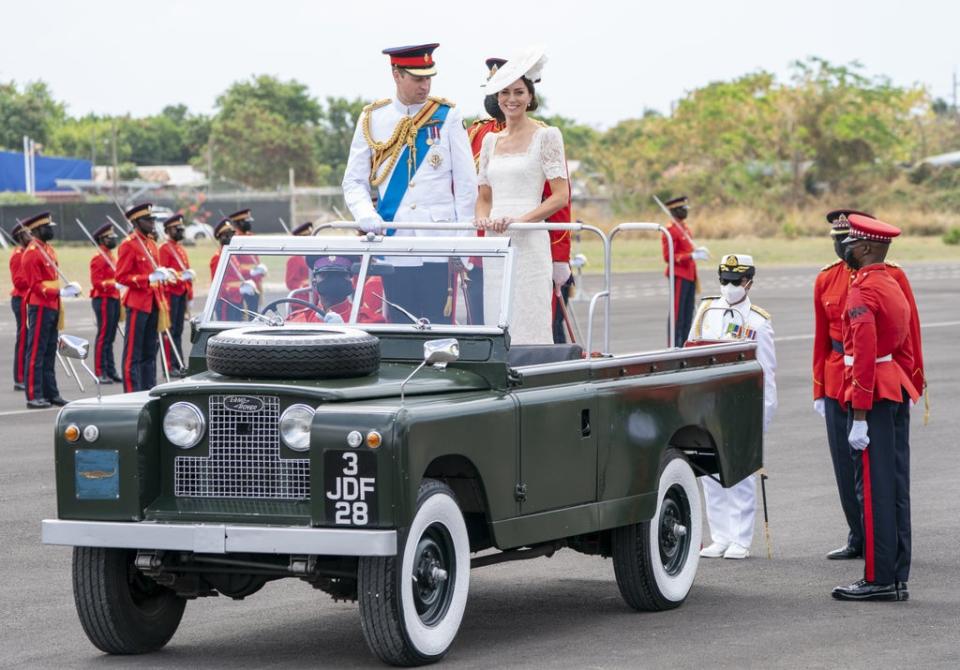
(296, 301)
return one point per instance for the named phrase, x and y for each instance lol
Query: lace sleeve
(552, 159)
(486, 147)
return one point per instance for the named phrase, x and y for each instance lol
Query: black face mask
(852, 262)
(679, 213)
(45, 233)
(244, 226)
(176, 234)
(839, 247)
(225, 239)
(145, 226)
(333, 289)
(109, 242)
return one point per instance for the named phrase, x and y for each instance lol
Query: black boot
(864, 590)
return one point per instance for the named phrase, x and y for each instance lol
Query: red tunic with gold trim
(829, 300)
(232, 279)
(246, 263)
(297, 274)
(41, 275)
(20, 284)
(174, 256)
(684, 267)
(876, 340)
(133, 271)
(103, 278)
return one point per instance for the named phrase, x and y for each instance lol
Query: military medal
(435, 160)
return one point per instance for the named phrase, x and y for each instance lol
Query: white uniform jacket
(716, 319)
(444, 188)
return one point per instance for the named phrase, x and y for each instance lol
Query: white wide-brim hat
(528, 63)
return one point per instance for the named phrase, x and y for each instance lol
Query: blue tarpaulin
(49, 169)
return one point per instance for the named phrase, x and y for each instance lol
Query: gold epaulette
(892, 264)
(827, 267)
(377, 105)
(762, 312)
(480, 122)
(709, 297)
(442, 101)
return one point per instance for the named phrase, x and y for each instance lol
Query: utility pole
(293, 199)
(113, 133)
(955, 111)
(209, 168)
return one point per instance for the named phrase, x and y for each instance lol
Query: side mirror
(438, 353)
(72, 346)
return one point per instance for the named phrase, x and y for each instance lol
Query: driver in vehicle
(334, 282)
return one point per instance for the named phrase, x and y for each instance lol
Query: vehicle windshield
(415, 288)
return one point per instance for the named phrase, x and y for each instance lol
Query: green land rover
(380, 457)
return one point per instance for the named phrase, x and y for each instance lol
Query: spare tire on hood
(293, 352)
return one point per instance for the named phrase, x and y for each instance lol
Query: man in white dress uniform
(731, 316)
(414, 151)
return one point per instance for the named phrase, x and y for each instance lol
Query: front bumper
(203, 538)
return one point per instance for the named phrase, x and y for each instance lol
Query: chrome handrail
(672, 318)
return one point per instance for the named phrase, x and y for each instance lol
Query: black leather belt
(837, 346)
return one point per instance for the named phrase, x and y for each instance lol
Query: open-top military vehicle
(382, 459)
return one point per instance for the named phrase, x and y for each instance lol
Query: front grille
(244, 460)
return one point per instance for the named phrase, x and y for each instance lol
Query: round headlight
(183, 425)
(295, 426)
(91, 433)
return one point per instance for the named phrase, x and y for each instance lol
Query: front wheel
(656, 561)
(121, 610)
(411, 605)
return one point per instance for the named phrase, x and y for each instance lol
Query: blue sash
(388, 205)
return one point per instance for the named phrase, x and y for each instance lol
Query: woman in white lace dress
(514, 164)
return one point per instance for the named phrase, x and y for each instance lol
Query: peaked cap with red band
(416, 59)
(868, 228)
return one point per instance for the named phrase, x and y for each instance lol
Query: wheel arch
(698, 445)
(463, 477)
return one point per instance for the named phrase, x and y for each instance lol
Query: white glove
(248, 288)
(371, 224)
(159, 274)
(332, 317)
(71, 290)
(121, 287)
(259, 270)
(701, 254)
(188, 275)
(858, 437)
(561, 273)
(818, 407)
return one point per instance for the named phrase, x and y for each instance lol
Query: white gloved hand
(171, 275)
(701, 254)
(371, 224)
(561, 273)
(858, 437)
(71, 290)
(332, 317)
(258, 270)
(819, 408)
(121, 287)
(248, 287)
(158, 275)
(188, 275)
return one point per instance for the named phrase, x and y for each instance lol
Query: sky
(607, 60)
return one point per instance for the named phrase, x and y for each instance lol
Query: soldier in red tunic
(878, 392)
(44, 313)
(18, 303)
(559, 239)
(248, 264)
(230, 298)
(685, 257)
(298, 274)
(829, 299)
(178, 292)
(105, 300)
(140, 270)
(333, 284)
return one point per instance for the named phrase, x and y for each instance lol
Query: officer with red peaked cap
(878, 393)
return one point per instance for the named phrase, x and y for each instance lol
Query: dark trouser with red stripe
(684, 296)
(883, 485)
(107, 312)
(16, 304)
(178, 308)
(560, 334)
(844, 470)
(422, 291)
(40, 375)
(140, 350)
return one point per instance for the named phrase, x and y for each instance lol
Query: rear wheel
(121, 610)
(411, 605)
(655, 561)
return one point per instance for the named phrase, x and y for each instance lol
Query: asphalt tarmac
(566, 611)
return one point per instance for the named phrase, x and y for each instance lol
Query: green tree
(289, 100)
(335, 133)
(32, 112)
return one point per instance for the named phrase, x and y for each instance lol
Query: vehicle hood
(385, 383)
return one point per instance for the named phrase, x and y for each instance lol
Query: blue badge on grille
(98, 474)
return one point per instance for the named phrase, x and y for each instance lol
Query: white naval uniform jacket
(447, 192)
(712, 322)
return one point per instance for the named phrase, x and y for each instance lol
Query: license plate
(350, 487)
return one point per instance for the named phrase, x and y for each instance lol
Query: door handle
(585, 423)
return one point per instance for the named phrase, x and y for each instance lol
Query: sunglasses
(735, 282)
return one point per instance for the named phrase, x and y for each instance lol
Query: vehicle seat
(538, 354)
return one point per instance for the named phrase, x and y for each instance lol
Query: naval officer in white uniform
(414, 151)
(731, 316)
